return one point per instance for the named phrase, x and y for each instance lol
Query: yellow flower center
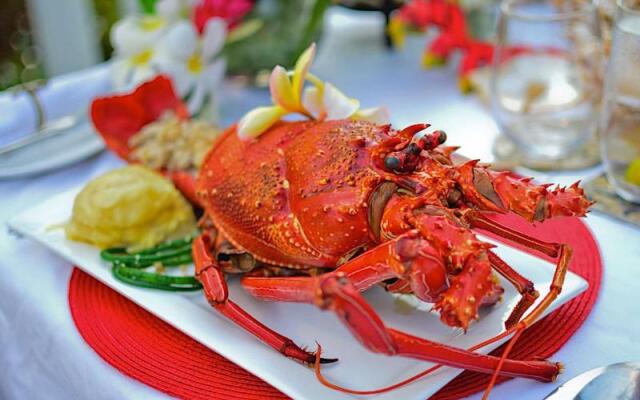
(632, 175)
(151, 22)
(396, 31)
(142, 58)
(194, 64)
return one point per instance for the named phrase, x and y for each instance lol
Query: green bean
(179, 243)
(127, 267)
(177, 261)
(148, 258)
(168, 245)
(152, 280)
(167, 262)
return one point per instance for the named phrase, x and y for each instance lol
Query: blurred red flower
(231, 11)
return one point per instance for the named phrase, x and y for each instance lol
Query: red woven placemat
(151, 351)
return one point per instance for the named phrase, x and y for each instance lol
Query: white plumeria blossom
(327, 102)
(175, 9)
(191, 61)
(167, 43)
(377, 115)
(321, 101)
(169, 8)
(134, 39)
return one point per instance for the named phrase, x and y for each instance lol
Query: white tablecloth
(43, 356)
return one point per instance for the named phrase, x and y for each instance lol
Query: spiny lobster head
(425, 167)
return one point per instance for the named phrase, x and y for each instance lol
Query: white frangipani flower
(134, 39)
(327, 102)
(175, 9)
(377, 115)
(191, 60)
(322, 101)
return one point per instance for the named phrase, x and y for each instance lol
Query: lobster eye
(391, 162)
(442, 136)
(413, 149)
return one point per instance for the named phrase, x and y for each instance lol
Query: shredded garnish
(172, 143)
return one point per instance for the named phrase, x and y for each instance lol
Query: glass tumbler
(547, 75)
(620, 122)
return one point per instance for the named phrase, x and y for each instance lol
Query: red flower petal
(157, 96)
(117, 118)
(231, 11)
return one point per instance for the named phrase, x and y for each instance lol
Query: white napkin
(61, 96)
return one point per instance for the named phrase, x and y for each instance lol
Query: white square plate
(357, 368)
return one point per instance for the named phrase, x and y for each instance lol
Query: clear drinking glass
(620, 123)
(547, 75)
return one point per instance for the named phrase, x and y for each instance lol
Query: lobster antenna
(334, 386)
(503, 357)
(424, 373)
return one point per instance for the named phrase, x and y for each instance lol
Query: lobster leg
(416, 258)
(334, 291)
(215, 288)
(338, 295)
(408, 257)
(375, 266)
(560, 251)
(523, 285)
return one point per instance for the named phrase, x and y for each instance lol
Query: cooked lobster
(319, 211)
(345, 205)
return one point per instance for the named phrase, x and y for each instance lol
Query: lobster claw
(406, 160)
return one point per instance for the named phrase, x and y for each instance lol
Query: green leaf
(313, 25)
(244, 30)
(148, 6)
